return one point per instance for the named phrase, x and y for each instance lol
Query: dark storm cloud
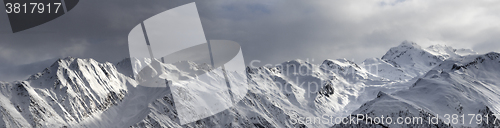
(93, 29)
(272, 31)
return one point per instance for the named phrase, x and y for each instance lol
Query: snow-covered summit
(63, 94)
(415, 60)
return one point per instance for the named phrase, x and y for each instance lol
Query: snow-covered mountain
(277, 94)
(414, 61)
(463, 85)
(84, 93)
(64, 94)
(408, 81)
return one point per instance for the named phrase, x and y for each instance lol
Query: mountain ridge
(85, 93)
(466, 85)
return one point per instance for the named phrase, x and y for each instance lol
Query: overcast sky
(272, 31)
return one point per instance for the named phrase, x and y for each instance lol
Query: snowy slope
(280, 93)
(62, 95)
(386, 70)
(389, 106)
(467, 85)
(277, 94)
(408, 60)
(416, 61)
(407, 81)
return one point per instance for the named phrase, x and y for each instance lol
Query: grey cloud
(272, 31)
(356, 29)
(93, 29)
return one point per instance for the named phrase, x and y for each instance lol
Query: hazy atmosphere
(272, 31)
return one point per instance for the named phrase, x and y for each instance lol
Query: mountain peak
(297, 62)
(66, 93)
(400, 50)
(63, 66)
(492, 55)
(440, 48)
(416, 60)
(341, 63)
(409, 44)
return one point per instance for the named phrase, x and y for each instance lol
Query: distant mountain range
(408, 81)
